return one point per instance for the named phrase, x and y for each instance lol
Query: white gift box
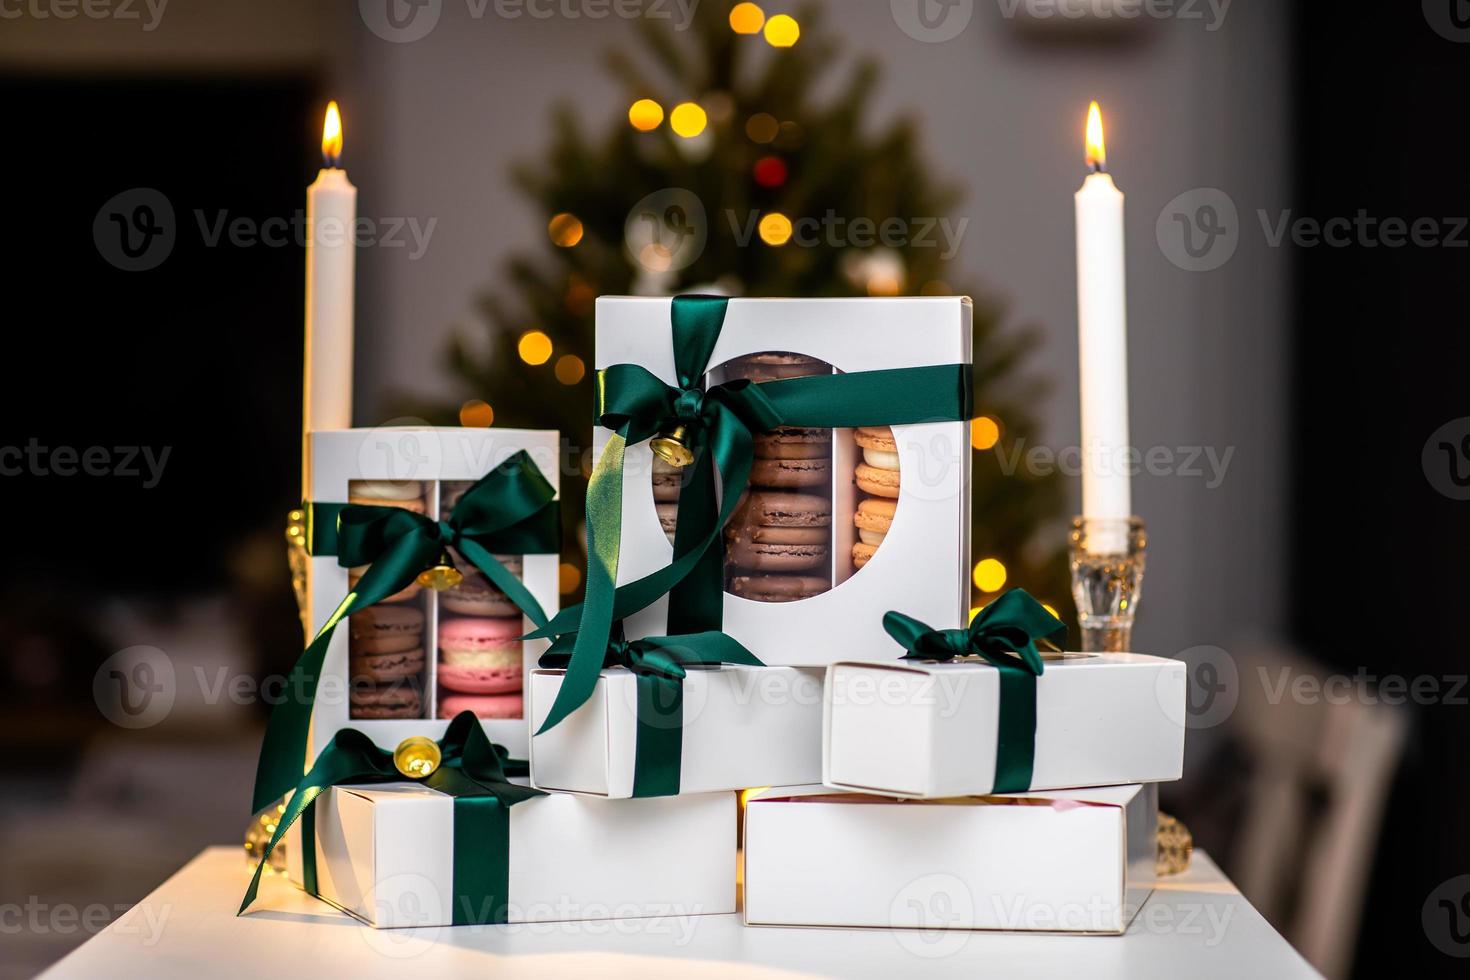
(385, 854)
(432, 456)
(1080, 861)
(925, 729)
(922, 565)
(743, 726)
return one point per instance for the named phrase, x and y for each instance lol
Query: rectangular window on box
(409, 663)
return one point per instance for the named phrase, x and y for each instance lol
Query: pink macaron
(483, 705)
(480, 654)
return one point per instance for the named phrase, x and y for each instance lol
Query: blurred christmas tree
(700, 197)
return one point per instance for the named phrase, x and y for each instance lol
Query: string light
(534, 347)
(782, 31)
(770, 171)
(984, 432)
(746, 18)
(775, 229)
(476, 414)
(688, 119)
(645, 115)
(565, 230)
(990, 575)
(762, 127)
(570, 369)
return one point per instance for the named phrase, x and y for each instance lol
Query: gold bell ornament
(672, 446)
(417, 757)
(442, 576)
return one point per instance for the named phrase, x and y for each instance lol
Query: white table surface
(1195, 925)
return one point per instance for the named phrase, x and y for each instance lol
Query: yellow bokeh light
(688, 119)
(645, 115)
(990, 575)
(569, 576)
(782, 31)
(747, 18)
(570, 369)
(535, 347)
(984, 432)
(883, 284)
(775, 229)
(565, 230)
(476, 414)
(762, 127)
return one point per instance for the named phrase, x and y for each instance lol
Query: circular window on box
(819, 501)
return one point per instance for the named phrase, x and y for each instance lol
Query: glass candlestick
(1106, 557)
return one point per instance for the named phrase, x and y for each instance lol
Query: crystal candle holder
(1106, 556)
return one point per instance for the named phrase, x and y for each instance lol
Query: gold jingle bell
(672, 446)
(442, 576)
(417, 757)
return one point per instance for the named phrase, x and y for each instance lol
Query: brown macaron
(380, 668)
(774, 366)
(788, 442)
(668, 518)
(667, 481)
(414, 506)
(777, 588)
(790, 472)
(386, 629)
(475, 596)
(401, 700)
(780, 532)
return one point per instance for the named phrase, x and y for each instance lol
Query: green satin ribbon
(720, 422)
(510, 511)
(658, 663)
(1004, 634)
(473, 770)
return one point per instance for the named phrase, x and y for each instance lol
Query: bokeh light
(565, 230)
(534, 347)
(570, 369)
(569, 577)
(762, 127)
(476, 414)
(770, 171)
(645, 115)
(990, 575)
(775, 229)
(782, 31)
(747, 18)
(984, 432)
(688, 119)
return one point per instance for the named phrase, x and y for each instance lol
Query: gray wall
(1002, 108)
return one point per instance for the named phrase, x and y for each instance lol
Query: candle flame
(1097, 153)
(332, 135)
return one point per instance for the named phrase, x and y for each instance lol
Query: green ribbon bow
(472, 769)
(658, 662)
(1004, 634)
(720, 422)
(511, 511)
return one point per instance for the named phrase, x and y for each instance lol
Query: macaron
(486, 706)
(880, 449)
(862, 553)
(791, 472)
(667, 481)
(480, 655)
(780, 532)
(475, 596)
(874, 518)
(668, 518)
(878, 482)
(381, 668)
(354, 575)
(386, 629)
(407, 494)
(777, 588)
(777, 366)
(788, 442)
(390, 701)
